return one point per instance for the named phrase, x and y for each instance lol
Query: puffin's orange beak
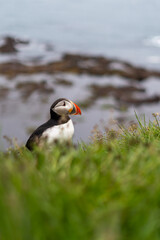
(76, 110)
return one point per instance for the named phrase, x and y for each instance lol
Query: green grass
(107, 190)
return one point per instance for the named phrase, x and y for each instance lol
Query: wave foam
(153, 41)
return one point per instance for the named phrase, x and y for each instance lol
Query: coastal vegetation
(108, 189)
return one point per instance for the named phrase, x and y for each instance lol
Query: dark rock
(4, 92)
(28, 88)
(117, 92)
(80, 64)
(64, 82)
(146, 100)
(124, 96)
(10, 44)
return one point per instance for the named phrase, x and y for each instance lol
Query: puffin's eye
(64, 104)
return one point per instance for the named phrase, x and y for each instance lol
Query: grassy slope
(108, 190)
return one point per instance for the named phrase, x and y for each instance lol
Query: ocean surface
(123, 29)
(120, 28)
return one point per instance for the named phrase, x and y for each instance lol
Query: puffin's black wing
(34, 139)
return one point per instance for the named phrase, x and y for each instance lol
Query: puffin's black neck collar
(54, 115)
(58, 118)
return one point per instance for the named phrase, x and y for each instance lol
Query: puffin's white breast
(61, 133)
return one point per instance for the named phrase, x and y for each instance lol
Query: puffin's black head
(64, 107)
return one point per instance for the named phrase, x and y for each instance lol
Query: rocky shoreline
(81, 64)
(78, 65)
(72, 63)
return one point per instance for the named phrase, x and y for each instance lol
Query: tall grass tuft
(106, 190)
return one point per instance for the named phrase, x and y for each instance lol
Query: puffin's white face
(66, 107)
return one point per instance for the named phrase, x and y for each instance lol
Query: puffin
(59, 128)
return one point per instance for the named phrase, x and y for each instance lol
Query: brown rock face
(10, 44)
(78, 64)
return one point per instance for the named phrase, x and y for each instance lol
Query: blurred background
(102, 54)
